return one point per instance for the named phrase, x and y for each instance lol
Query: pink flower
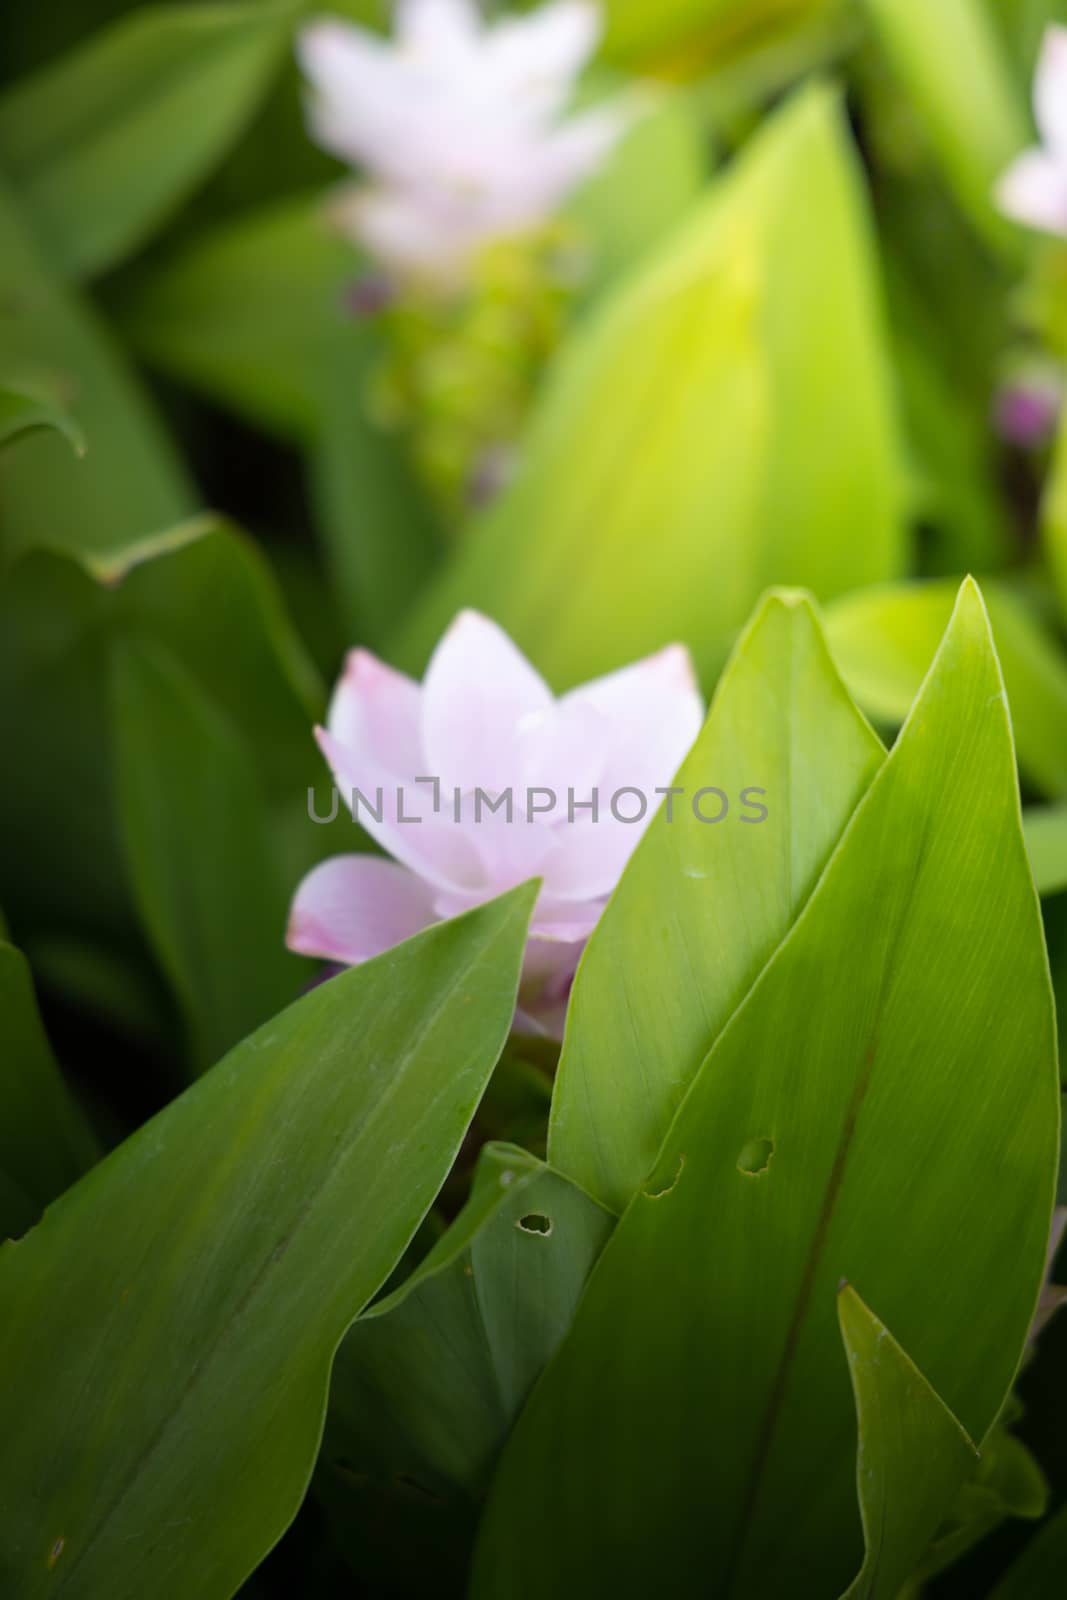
(480, 779)
(1034, 188)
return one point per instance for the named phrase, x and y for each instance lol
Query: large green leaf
(201, 859)
(874, 1112)
(701, 907)
(203, 593)
(913, 1456)
(44, 1143)
(129, 482)
(975, 120)
(683, 456)
(428, 1383)
(101, 144)
(168, 1329)
(250, 312)
(652, 179)
(883, 641)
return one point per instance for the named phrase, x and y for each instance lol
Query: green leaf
(130, 481)
(873, 1112)
(1054, 517)
(428, 1383)
(1038, 1573)
(683, 37)
(201, 592)
(652, 179)
(24, 412)
(975, 120)
(665, 969)
(201, 858)
(913, 1456)
(250, 312)
(44, 1143)
(883, 641)
(378, 536)
(1008, 1483)
(168, 1329)
(1045, 831)
(681, 458)
(103, 143)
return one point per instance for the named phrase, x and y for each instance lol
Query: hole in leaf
(755, 1157)
(535, 1222)
(657, 1194)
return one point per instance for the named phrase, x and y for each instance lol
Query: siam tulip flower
(458, 125)
(1034, 188)
(423, 766)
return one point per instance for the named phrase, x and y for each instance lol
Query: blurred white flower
(1034, 188)
(459, 126)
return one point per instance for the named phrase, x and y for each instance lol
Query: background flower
(1034, 188)
(460, 126)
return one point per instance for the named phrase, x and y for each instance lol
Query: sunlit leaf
(884, 639)
(975, 120)
(682, 458)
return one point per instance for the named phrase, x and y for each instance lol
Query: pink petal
(1034, 191)
(547, 975)
(351, 908)
(375, 711)
(481, 700)
(1050, 91)
(654, 711)
(399, 815)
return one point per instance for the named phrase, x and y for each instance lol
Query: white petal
(1034, 191)
(1050, 91)
(438, 30)
(376, 710)
(480, 697)
(577, 150)
(412, 234)
(358, 90)
(351, 908)
(537, 58)
(655, 711)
